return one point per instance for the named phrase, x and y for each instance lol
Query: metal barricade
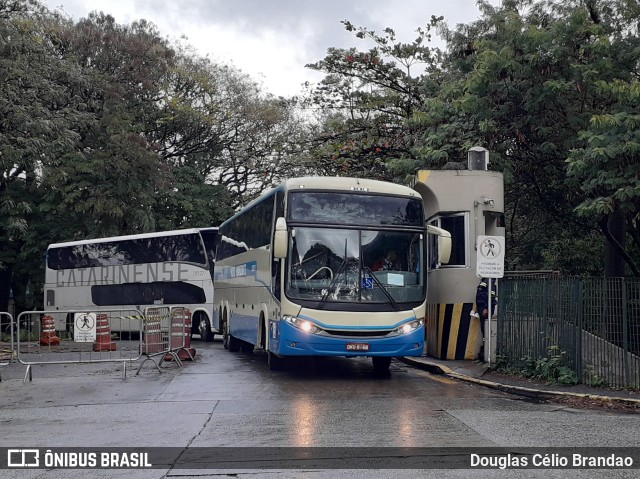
(7, 340)
(73, 337)
(156, 343)
(167, 336)
(180, 342)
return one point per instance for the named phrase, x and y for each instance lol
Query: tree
(260, 137)
(367, 99)
(526, 88)
(526, 81)
(108, 184)
(107, 129)
(607, 170)
(37, 120)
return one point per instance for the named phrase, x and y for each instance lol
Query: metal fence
(161, 334)
(7, 336)
(52, 337)
(571, 329)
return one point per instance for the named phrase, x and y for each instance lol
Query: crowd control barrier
(72, 337)
(180, 342)
(7, 340)
(155, 343)
(159, 325)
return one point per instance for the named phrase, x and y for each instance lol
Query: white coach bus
(326, 267)
(135, 271)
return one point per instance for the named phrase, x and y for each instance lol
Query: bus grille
(357, 334)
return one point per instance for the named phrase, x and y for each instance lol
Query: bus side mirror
(280, 239)
(444, 243)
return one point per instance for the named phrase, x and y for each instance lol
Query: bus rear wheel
(381, 365)
(228, 341)
(204, 328)
(234, 344)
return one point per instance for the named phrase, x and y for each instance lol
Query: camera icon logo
(23, 458)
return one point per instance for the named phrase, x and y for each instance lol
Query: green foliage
(550, 88)
(573, 255)
(107, 129)
(552, 368)
(367, 101)
(38, 119)
(110, 129)
(593, 379)
(606, 168)
(504, 365)
(192, 202)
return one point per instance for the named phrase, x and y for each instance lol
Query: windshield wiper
(342, 267)
(382, 287)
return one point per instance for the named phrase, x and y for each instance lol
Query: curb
(518, 390)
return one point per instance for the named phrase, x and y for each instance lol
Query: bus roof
(156, 234)
(333, 183)
(337, 183)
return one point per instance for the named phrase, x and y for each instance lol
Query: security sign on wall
(490, 260)
(84, 330)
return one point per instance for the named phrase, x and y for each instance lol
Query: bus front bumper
(287, 340)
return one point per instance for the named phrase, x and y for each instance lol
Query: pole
(489, 315)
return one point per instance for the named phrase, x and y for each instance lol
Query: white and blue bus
(325, 266)
(134, 271)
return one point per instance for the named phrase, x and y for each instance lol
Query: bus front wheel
(276, 363)
(381, 365)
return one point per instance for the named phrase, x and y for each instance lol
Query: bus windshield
(186, 248)
(356, 266)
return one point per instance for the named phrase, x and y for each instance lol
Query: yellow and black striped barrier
(452, 333)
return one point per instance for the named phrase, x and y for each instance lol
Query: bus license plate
(357, 346)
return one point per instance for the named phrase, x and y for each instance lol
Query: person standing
(482, 301)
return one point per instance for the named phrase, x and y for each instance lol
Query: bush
(551, 368)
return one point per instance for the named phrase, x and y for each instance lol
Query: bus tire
(224, 330)
(230, 343)
(381, 365)
(276, 363)
(234, 344)
(262, 342)
(203, 327)
(246, 348)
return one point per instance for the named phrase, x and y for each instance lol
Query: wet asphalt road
(233, 400)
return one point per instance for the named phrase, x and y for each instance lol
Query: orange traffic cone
(181, 335)
(103, 335)
(48, 336)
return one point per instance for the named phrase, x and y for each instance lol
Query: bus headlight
(409, 327)
(303, 324)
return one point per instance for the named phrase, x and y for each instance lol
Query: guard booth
(468, 202)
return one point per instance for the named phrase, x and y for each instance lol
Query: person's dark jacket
(482, 299)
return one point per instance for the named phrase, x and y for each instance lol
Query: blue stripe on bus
(241, 270)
